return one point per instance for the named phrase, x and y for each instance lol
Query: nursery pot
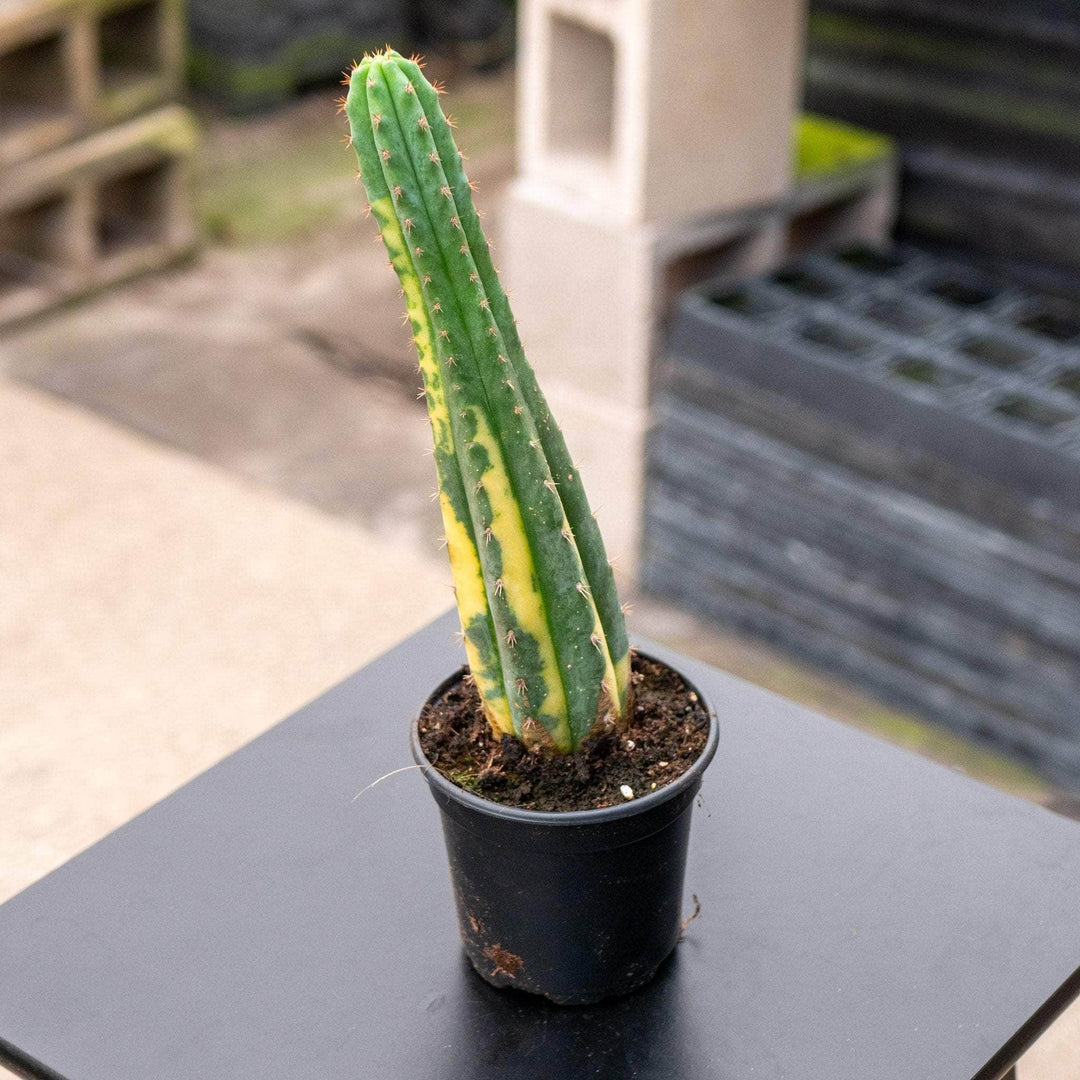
(576, 906)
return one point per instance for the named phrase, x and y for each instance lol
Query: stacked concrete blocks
(654, 150)
(93, 162)
(636, 118)
(874, 460)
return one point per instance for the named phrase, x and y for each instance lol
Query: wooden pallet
(96, 211)
(71, 67)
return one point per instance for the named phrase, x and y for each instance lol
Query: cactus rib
(575, 504)
(543, 631)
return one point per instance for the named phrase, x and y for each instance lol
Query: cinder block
(581, 289)
(69, 67)
(651, 110)
(38, 263)
(948, 388)
(593, 295)
(928, 607)
(95, 211)
(589, 296)
(589, 292)
(719, 247)
(655, 150)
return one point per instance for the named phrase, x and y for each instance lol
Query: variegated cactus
(543, 628)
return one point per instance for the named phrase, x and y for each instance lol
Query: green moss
(180, 137)
(267, 179)
(272, 190)
(827, 147)
(244, 86)
(464, 778)
(236, 83)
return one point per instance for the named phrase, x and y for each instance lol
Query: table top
(864, 914)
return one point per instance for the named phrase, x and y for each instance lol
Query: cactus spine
(544, 632)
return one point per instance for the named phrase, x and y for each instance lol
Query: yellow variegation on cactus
(544, 631)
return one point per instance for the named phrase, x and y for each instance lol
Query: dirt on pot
(664, 737)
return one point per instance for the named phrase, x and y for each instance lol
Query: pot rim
(595, 816)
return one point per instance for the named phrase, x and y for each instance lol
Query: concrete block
(593, 295)
(581, 289)
(927, 607)
(858, 205)
(880, 352)
(589, 292)
(718, 247)
(655, 150)
(651, 110)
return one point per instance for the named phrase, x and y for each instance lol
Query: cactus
(541, 620)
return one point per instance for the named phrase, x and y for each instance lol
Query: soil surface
(664, 737)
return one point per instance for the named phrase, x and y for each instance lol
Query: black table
(865, 915)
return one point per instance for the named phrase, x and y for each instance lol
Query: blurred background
(801, 284)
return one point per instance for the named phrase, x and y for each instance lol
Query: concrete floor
(230, 362)
(215, 504)
(157, 613)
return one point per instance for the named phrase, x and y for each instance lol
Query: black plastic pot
(576, 906)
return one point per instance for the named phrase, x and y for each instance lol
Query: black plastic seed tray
(873, 459)
(929, 355)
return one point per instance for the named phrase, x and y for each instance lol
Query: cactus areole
(543, 629)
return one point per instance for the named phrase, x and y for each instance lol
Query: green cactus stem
(544, 632)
